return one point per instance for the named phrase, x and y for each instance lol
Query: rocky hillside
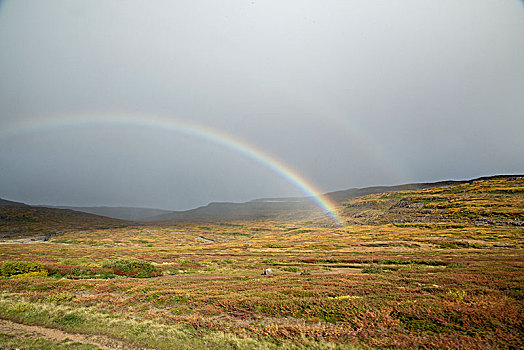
(489, 201)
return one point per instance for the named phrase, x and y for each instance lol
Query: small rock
(268, 272)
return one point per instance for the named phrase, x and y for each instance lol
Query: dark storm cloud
(348, 93)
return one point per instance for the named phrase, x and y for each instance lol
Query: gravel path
(55, 335)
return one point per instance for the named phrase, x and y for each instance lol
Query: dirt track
(55, 335)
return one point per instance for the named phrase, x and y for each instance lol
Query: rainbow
(218, 137)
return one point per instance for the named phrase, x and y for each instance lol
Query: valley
(438, 266)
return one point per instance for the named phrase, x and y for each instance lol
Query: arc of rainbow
(218, 137)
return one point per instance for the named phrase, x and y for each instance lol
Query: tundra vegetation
(435, 268)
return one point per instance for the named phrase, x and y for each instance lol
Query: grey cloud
(348, 93)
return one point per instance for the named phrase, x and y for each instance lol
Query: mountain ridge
(8, 203)
(122, 213)
(302, 207)
(278, 208)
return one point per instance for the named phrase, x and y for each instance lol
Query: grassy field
(437, 268)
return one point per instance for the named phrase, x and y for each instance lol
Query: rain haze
(344, 93)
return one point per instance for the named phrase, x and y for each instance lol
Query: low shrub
(59, 298)
(457, 244)
(79, 272)
(291, 269)
(411, 262)
(71, 320)
(457, 265)
(373, 268)
(34, 274)
(132, 268)
(12, 268)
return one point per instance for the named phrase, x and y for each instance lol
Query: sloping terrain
(6, 203)
(299, 208)
(21, 221)
(436, 268)
(254, 210)
(283, 209)
(123, 213)
(490, 201)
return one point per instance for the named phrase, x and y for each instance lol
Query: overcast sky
(346, 93)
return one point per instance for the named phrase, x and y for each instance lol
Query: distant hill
(18, 220)
(6, 203)
(495, 201)
(295, 208)
(254, 210)
(123, 213)
(285, 209)
(344, 195)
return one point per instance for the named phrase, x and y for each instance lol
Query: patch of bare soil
(55, 335)
(32, 240)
